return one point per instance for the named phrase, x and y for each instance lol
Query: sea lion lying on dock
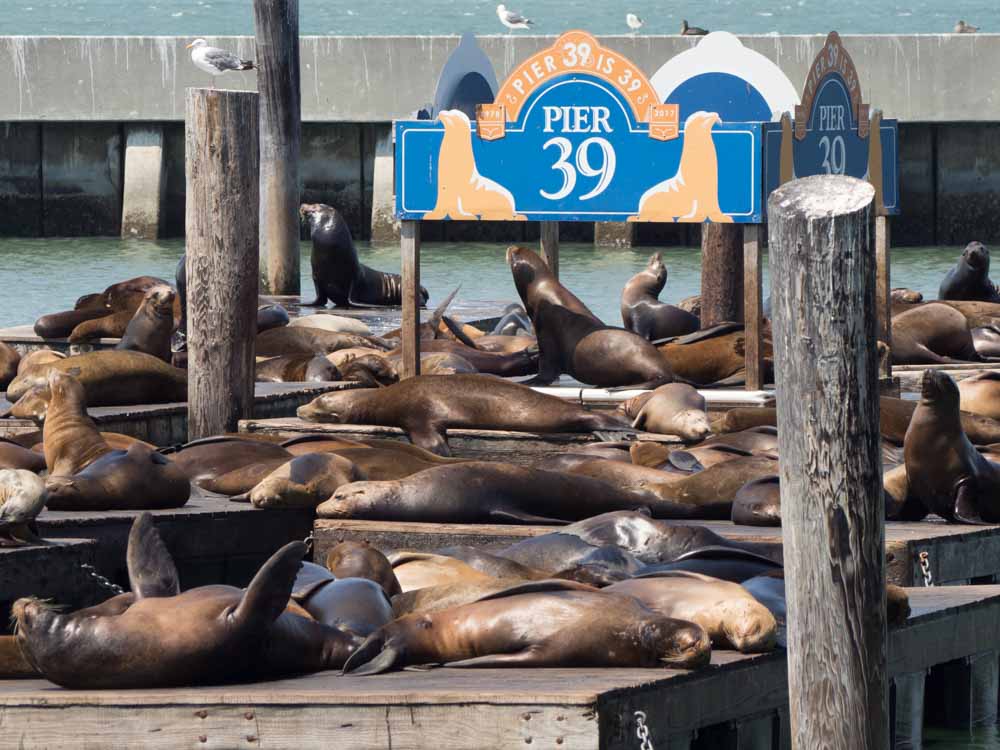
(303, 482)
(504, 364)
(290, 340)
(361, 560)
(333, 323)
(296, 368)
(428, 405)
(932, 334)
(980, 394)
(672, 409)
(83, 322)
(758, 502)
(715, 355)
(10, 361)
(642, 311)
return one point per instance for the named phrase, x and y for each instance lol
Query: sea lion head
(360, 500)
(977, 256)
(33, 405)
(657, 271)
(320, 216)
(371, 370)
(361, 560)
(677, 643)
(161, 300)
(334, 408)
(525, 266)
(938, 389)
(751, 628)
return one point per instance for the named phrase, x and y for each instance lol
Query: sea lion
(572, 340)
(760, 440)
(672, 409)
(113, 378)
(507, 365)
(970, 278)
(714, 355)
(642, 311)
(333, 323)
(213, 457)
(745, 418)
(122, 297)
(537, 624)
(506, 344)
(428, 405)
(418, 570)
(728, 612)
(371, 371)
(895, 415)
(494, 566)
(296, 368)
(152, 325)
(354, 605)
(513, 320)
(155, 637)
(22, 497)
(986, 339)
(688, 460)
(300, 340)
(980, 394)
(435, 363)
(907, 296)
(361, 560)
(483, 492)
(932, 334)
(38, 357)
(13, 665)
(758, 503)
(337, 274)
(71, 439)
(10, 361)
(303, 482)
(14, 456)
(946, 474)
(436, 598)
(380, 463)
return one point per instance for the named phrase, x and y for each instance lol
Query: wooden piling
(883, 288)
(826, 366)
(410, 249)
(753, 308)
(721, 274)
(277, 27)
(550, 245)
(221, 229)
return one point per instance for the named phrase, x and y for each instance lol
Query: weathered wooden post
(753, 303)
(883, 287)
(550, 245)
(823, 308)
(410, 249)
(221, 218)
(721, 273)
(277, 27)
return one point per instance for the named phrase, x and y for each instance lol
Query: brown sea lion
(436, 598)
(980, 394)
(277, 342)
(714, 355)
(236, 484)
(152, 325)
(492, 565)
(895, 415)
(14, 456)
(156, 637)
(418, 570)
(39, 357)
(378, 459)
(341, 357)
(213, 457)
(125, 296)
(932, 334)
(506, 344)
(908, 296)
(483, 492)
(572, 340)
(946, 474)
(10, 360)
(728, 612)
(71, 439)
(642, 310)
(361, 560)
(371, 371)
(329, 322)
(296, 368)
(428, 405)
(672, 409)
(510, 365)
(745, 418)
(303, 482)
(758, 503)
(60, 324)
(690, 459)
(434, 363)
(113, 378)
(13, 665)
(532, 625)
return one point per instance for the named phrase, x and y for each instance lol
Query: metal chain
(642, 731)
(308, 541)
(925, 568)
(92, 572)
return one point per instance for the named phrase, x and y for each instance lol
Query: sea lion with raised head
(152, 325)
(970, 278)
(672, 409)
(428, 405)
(572, 340)
(642, 311)
(337, 273)
(71, 440)
(538, 624)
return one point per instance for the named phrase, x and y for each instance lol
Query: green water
(38, 276)
(950, 739)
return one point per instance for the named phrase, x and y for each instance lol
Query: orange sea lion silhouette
(463, 193)
(693, 193)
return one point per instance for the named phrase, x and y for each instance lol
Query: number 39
(606, 171)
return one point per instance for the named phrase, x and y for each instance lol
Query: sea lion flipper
(151, 569)
(684, 461)
(525, 658)
(374, 656)
(430, 438)
(267, 595)
(966, 509)
(509, 515)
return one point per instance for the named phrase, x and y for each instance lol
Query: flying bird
(216, 61)
(512, 19)
(965, 28)
(633, 21)
(691, 30)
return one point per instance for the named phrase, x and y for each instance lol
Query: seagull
(633, 21)
(965, 28)
(691, 30)
(216, 61)
(512, 19)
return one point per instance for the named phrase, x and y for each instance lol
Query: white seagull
(634, 22)
(512, 19)
(216, 61)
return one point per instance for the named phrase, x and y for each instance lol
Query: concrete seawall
(81, 119)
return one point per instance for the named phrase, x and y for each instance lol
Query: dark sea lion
(271, 315)
(287, 340)
(713, 355)
(304, 482)
(672, 409)
(895, 415)
(572, 340)
(152, 325)
(296, 368)
(355, 605)
(113, 378)
(642, 311)
(60, 324)
(210, 458)
(932, 334)
(532, 625)
(202, 636)
(946, 474)
(980, 394)
(418, 570)
(733, 567)
(908, 296)
(513, 320)
(361, 560)
(508, 365)
(483, 492)
(338, 275)
(986, 339)
(758, 503)
(428, 405)
(728, 612)
(14, 456)
(38, 357)
(970, 278)
(10, 360)
(370, 370)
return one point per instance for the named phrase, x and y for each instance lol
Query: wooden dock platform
(50, 571)
(739, 702)
(956, 554)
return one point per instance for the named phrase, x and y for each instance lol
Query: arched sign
(577, 133)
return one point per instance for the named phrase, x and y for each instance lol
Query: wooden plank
(753, 308)
(410, 248)
(883, 287)
(550, 245)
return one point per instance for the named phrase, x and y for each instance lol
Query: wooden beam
(409, 243)
(823, 319)
(277, 27)
(754, 308)
(221, 148)
(550, 245)
(883, 288)
(721, 273)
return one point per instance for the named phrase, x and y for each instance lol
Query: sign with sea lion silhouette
(834, 132)
(577, 133)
